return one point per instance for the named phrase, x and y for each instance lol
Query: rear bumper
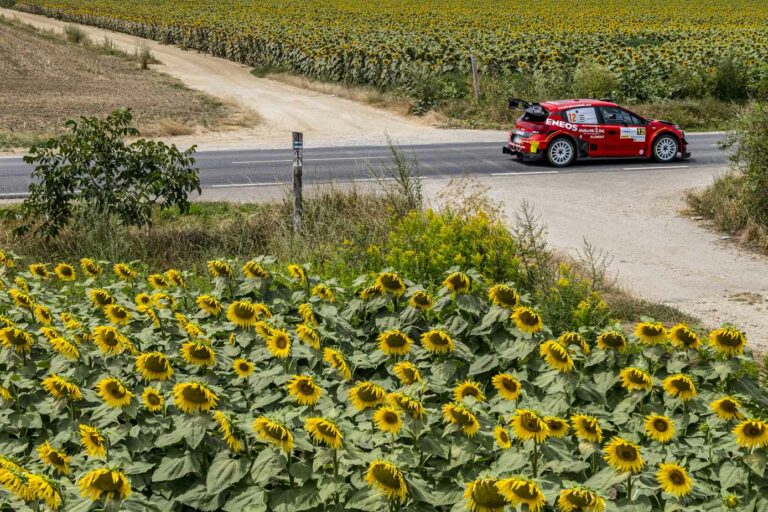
(527, 157)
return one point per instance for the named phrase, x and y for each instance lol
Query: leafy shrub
(93, 170)
(731, 80)
(685, 83)
(592, 80)
(147, 384)
(75, 34)
(428, 90)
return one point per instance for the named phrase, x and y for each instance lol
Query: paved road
(260, 167)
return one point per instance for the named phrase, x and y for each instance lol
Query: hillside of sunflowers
(261, 387)
(393, 42)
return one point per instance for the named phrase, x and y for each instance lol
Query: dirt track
(325, 120)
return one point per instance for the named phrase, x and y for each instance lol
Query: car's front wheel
(665, 149)
(561, 152)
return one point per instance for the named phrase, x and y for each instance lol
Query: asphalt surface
(269, 167)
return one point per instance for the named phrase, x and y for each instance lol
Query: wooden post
(475, 77)
(298, 167)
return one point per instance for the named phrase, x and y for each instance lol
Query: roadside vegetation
(737, 202)
(48, 77)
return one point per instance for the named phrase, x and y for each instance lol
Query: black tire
(561, 152)
(665, 148)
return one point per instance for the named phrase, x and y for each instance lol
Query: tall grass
(75, 34)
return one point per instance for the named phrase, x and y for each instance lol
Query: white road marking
(523, 173)
(657, 167)
(314, 160)
(14, 194)
(240, 185)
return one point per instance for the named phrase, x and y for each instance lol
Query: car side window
(583, 115)
(618, 116)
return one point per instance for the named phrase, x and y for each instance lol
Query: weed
(75, 34)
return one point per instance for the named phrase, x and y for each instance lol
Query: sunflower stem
(594, 462)
(535, 461)
(629, 486)
(290, 475)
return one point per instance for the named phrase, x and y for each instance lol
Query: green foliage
(429, 90)
(731, 78)
(593, 80)
(75, 34)
(94, 170)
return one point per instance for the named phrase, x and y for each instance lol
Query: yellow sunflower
(580, 499)
(587, 428)
(394, 343)
(370, 292)
(109, 340)
(114, 393)
(20, 341)
(163, 301)
(558, 427)
(243, 368)
(191, 397)
(274, 433)
(124, 272)
(409, 405)
(612, 340)
(681, 336)
(463, 418)
(6, 322)
(308, 335)
(5, 394)
(502, 438)
(623, 456)
(21, 299)
(503, 296)
(420, 300)
(219, 268)
(482, 495)
(296, 272)
(507, 385)
(43, 314)
(727, 408)
(242, 313)
(198, 354)
(388, 419)
(90, 267)
(279, 344)
(556, 356)
(458, 282)
(388, 479)
(674, 480)
(254, 270)
(39, 270)
(59, 387)
(104, 483)
(228, 431)
(143, 300)
(324, 431)
(304, 389)
(391, 283)
(45, 490)
(366, 395)
(407, 373)
(324, 292)
(728, 341)
(117, 314)
(210, 305)
(93, 441)
(521, 491)
(153, 400)
(468, 388)
(194, 330)
(659, 428)
(100, 298)
(65, 348)
(529, 425)
(570, 338)
(263, 329)
(650, 333)
(70, 322)
(680, 386)
(751, 434)
(338, 362)
(53, 457)
(175, 278)
(65, 272)
(437, 342)
(635, 379)
(306, 312)
(527, 320)
(154, 366)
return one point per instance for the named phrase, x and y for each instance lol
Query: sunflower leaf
(225, 472)
(175, 467)
(731, 475)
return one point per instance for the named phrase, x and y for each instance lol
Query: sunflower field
(390, 42)
(270, 389)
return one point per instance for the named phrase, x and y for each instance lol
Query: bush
(145, 57)
(7, 3)
(429, 91)
(731, 79)
(592, 80)
(93, 170)
(75, 34)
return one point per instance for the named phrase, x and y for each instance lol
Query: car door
(586, 124)
(625, 133)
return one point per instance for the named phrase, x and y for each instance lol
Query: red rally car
(565, 130)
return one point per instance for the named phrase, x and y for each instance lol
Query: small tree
(93, 168)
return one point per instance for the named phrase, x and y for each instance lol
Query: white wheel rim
(561, 152)
(666, 149)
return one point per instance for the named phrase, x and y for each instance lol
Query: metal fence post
(298, 167)
(475, 77)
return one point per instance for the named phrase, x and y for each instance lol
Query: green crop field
(388, 42)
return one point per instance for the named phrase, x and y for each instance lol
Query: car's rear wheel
(561, 152)
(665, 149)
